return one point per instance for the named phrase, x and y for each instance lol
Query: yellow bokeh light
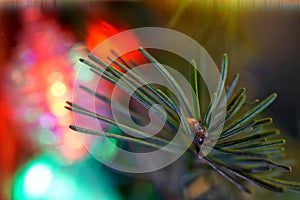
(58, 89)
(57, 108)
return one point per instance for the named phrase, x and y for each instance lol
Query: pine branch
(247, 151)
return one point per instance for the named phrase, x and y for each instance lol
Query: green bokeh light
(46, 137)
(48, 179)
(107, 148)
(83, 73)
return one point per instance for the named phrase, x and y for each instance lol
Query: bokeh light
(37, 180)
(72, 147)
(83, 73)
(46, 178)
(62, 187)
(57, 108)
(107, 148)
(58, 89)
(72, 139)
(47, 121)
(47, 137)
(43, 178)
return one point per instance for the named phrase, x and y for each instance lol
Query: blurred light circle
(72, 140)
(37, 180)
(46, 137)
(83, 74)
(58, 89)
(47, 121)
(72, 147)
(57, 108)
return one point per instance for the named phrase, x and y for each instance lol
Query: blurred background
(40, 43)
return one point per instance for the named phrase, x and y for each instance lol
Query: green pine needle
(247, 151)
